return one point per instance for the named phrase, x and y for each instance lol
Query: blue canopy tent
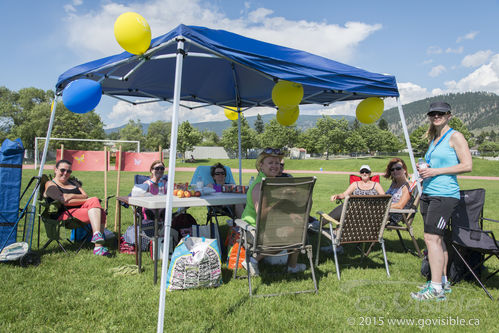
(216, 67)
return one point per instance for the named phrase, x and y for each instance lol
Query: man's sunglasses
(160, 168)
(396, 168)
(219, 173)
(273, 151)
(436, 113)
(66, 171)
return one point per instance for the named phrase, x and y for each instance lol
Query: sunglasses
(396, 168)
(66, 171)
(160, 168)
(282, 164)
(273, 151)
(219, 173)
(365, 171)
(436, 113)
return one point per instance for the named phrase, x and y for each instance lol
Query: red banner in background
(131, 161)
(84, 160)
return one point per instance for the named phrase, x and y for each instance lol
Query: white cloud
(459, 50)
(434, 50)
(470, 35)
(476, 59)
(427, 62)
(436, 70)
(91, 34)
(484, 78)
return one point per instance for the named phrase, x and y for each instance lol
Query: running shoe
(97, 238)
(102, 251)
(429, 293)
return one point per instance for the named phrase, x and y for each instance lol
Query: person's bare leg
(292, 259)
(436, 256)
(446, 258)
(94, 215)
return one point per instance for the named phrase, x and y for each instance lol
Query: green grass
(78, 292)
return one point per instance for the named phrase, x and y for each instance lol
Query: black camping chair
(468, 234)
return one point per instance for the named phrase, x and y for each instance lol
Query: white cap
(365, 166)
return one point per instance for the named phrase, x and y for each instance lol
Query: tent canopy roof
(223, 68)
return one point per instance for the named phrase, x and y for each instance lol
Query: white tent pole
(239, 145)
(40, 172)
(36, 152)
(171, 181)
(408, 142)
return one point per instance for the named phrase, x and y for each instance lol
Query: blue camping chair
(203, 171)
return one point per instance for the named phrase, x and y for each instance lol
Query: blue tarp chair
(11, 161)
(204, 171)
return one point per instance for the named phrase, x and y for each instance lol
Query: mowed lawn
(81, 292)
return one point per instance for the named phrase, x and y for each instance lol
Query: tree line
(25, 114)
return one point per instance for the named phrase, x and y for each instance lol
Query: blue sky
(432, 47)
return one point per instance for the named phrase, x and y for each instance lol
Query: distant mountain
(479, 111)
(303, 122)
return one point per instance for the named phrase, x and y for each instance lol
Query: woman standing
(447, 156)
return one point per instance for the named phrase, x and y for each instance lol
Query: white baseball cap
(365, 166)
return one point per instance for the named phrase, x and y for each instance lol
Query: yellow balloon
(231, 115)
(286, 94)
(132, 32)
(370, 110)
(288, 116)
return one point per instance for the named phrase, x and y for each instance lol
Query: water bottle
(252, 179)
(199, 183)
(422, 164)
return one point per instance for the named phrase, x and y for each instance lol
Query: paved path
(236, 170)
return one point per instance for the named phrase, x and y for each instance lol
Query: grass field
(80, 293)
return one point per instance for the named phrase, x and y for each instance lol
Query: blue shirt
(441, 155)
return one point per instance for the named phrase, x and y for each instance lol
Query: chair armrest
(327, 217)
(245, 225)
(403, 211)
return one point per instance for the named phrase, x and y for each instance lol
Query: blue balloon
(82, 95)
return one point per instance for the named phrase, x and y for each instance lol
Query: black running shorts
(436, 213)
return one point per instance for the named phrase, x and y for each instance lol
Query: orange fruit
(175, 192)
(187, 194)
(180, 194)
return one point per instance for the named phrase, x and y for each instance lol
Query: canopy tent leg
(408, 143)
(31, 223)
(171, 181)
(239, 145)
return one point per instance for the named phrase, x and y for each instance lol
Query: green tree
(278, 136)
(378, 140)
(355, 143)
(489, 148)
(188, 137)
(308, 140)
(355, 125)
(418, 140)
(133, 132)
(210, 138)
(331, 135)
(248, 138)
(459, 126)
(259, 125)
(383, 124)
(158, 134)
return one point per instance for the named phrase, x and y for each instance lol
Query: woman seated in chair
(219, 175)
(156, 185)
(78, 204)
(365, 186)
(396, 170)
(268, 164)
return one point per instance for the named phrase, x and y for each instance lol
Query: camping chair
(204, 171)
(468, 234)
(408, 215)
(281, 222)
(48, 212)
(363, 220)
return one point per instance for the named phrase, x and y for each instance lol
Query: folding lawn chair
(281, 223)
(408, 215)
(204, 171)
(468, 234)
(48, 213)
(363, 220)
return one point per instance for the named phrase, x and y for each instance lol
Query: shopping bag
(195, 263)
(207, 231)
